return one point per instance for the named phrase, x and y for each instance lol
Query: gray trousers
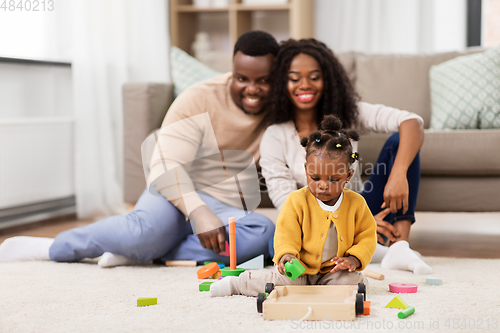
(253, 282)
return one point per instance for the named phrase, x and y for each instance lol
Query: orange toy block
(208, 270)
(366, 307)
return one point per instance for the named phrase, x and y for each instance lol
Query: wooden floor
(459, 235)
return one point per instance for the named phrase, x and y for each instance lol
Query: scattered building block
(216, 275)
(255, 263)
(433, 280)
(403, 288)
(294, 269)
(397, 303)
(366, 307)
(406, 312)
(231, 272)
(145, 301)
(207, 270)
(373, 275)
(181, 263)
(205, 286)
(226, 253)
(221, 264)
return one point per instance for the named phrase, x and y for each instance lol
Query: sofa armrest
(144, 107)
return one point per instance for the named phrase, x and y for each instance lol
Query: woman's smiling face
(305, 82)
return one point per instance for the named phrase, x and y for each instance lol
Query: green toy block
(145, 301)
(221, 264)
(406, 312)
(205, 286)
(433, 280)
(397, 303)
(226, 271)
(294, 270)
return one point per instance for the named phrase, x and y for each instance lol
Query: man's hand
(210, 229)
(350, 263)
(286, 258)
(384, 227)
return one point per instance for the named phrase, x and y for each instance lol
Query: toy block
(226, 271)
(221, 264)
(406, 312)
(255, 263)
(294, 269)
(397, 303)
(434, 281)
(216, 276)
(366, 308)
(205, 286)
(145, 301)
(226, 253)
(374, 275)
(181, 263)
(208, 270)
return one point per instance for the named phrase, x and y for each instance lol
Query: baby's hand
(350, 263)
(287, 257)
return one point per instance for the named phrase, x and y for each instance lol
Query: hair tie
(338, 145)
(318, 140)
(355, 156)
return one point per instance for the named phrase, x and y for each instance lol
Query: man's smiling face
(250, 86)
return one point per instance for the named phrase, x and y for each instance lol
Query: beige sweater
(207, 143)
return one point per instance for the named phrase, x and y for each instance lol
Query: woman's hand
(396, 192)
(384, 227)
(210, 229)
(286, 258)
(350, 263)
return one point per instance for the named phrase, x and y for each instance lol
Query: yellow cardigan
(303, 225)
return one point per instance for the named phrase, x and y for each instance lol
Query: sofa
(460, 169)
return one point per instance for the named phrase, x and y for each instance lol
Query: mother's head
(300, 68)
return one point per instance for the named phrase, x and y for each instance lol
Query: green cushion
(187, 71)
(465, 92)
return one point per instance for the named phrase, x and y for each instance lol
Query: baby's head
(329, 157)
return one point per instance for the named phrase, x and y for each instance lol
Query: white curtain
(391, 26)
(111, 42)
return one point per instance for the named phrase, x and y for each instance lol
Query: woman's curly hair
(339, 97)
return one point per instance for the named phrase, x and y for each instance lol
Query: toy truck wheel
(261, 297)
(269, 287)
(359, 303)
(362, 289)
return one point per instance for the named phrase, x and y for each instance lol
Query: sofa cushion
(187, 71)
(347, 59)
(465, 92)
(400, 81)
(444, 153)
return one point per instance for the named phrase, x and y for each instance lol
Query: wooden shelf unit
(184, 17)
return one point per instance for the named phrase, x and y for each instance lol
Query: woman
(308, 83)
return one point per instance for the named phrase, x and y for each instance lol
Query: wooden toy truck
(312, 302)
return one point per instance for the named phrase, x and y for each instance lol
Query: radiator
(36, 161)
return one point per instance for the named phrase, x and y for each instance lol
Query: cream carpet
(81, 297)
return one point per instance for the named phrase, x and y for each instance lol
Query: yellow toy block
(145, 301)
(397, 303)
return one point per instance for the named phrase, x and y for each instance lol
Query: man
(215, 118)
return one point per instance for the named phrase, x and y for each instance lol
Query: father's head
(252, 62)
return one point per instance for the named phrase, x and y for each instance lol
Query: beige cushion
(144, 107)
(445, 153)
(347, 60)
(400, 81)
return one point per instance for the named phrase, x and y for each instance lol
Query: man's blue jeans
(157, 229)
